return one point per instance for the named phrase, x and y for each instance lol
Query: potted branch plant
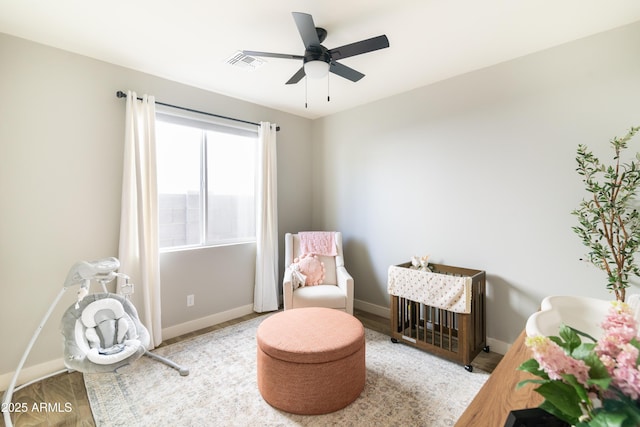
(609, 222)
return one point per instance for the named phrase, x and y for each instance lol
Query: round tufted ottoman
(311, 360)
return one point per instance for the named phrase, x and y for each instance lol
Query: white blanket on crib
(451, 293)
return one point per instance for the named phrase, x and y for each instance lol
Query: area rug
(404, 386)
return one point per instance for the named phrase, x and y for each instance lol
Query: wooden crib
(456, 336)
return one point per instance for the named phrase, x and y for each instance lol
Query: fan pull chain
(306, 79)
(328, 97)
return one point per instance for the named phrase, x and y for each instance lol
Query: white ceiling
(188, 41)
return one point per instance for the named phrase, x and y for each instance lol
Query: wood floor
(62, 400)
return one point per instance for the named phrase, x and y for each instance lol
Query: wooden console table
(498, 396)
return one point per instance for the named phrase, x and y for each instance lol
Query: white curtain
(266, 286)
(138, 252)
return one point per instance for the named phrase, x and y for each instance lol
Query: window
(206, 182)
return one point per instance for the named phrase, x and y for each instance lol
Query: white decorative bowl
(582, 313)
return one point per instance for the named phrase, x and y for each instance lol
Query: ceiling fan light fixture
(316, 69)
(318, 61)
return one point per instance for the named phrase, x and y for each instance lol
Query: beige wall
(61, 141)
(479, 172)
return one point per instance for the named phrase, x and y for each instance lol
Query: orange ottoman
(311, 360)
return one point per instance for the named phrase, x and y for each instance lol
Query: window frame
(205, 124)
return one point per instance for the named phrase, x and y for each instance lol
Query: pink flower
(619, 328)
(626, 376)
(609, 345)
(555, 362)
(619, 321)
(615, 352)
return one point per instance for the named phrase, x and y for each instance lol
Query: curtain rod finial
(121, 94)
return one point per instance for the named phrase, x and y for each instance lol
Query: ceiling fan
(317, 59)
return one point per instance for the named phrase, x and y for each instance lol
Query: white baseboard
(378, 310)
(498, 346)
(32, 373)
(205, 322)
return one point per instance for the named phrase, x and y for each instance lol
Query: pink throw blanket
(318, 243)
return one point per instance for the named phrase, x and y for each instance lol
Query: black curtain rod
(121, 94)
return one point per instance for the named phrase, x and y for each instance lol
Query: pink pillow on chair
(312, 268)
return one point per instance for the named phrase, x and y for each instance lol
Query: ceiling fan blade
(271, 55)
(296, 77)
(306, 28)
(346, 72)
(360, 47)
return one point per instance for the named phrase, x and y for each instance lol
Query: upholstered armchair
(334, 291)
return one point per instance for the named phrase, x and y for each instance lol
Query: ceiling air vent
(247, 62)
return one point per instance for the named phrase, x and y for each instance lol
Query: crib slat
(450, 324)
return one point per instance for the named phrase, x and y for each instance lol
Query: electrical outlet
(191, 300)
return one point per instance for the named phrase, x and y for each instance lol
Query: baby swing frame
(82, 273)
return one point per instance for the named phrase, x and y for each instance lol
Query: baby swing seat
(102, 333)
